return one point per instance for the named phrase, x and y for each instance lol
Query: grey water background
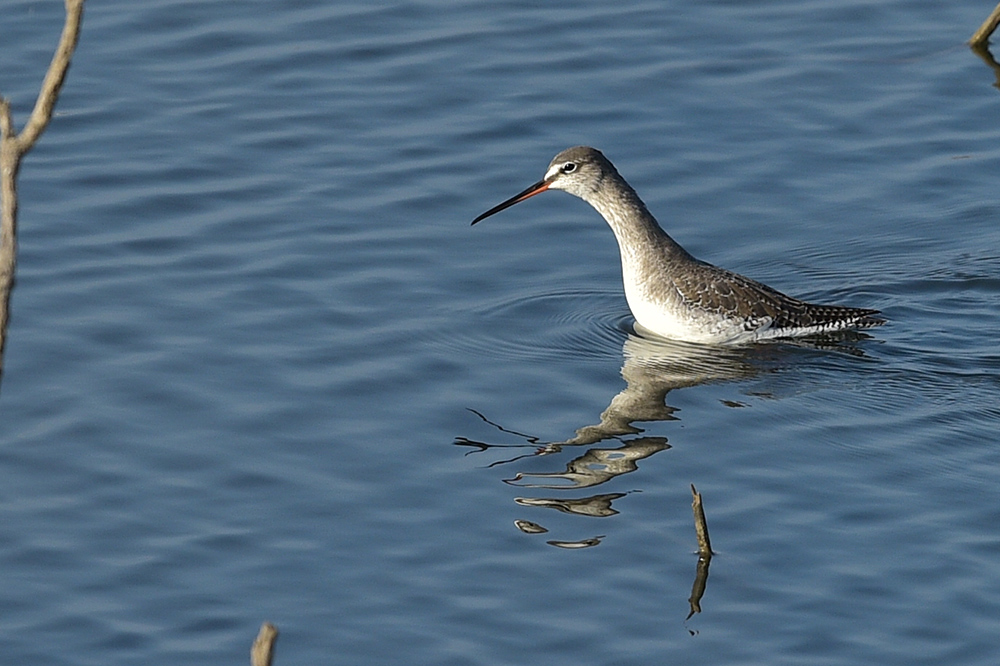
(251, 320)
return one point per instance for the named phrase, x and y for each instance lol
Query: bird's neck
(634, 226)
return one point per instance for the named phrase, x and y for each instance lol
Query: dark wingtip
(869, 320)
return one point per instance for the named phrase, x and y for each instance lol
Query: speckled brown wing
(735, 297)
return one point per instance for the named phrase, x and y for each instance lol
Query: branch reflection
(983, 51)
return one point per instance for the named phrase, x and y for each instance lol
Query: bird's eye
(569, 167)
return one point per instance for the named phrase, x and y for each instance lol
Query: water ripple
(587, 325)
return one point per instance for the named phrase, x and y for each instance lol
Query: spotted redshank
(670, 293)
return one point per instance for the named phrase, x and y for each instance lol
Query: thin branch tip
(982, 35)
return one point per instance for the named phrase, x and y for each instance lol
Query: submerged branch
(704, 554)
(700, 525)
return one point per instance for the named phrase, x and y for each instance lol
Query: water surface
(260, 367)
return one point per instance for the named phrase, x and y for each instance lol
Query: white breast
(672, 318)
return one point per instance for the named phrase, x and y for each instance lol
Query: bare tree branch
(9, 163)
(42, 112)
(263, 647)
(987, 28)
(13, 147)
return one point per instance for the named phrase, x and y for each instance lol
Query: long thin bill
(537, 188)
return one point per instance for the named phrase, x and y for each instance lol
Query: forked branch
(13, 147)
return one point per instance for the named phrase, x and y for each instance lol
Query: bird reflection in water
(651, 369)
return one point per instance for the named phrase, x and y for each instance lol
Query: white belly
(670, 318)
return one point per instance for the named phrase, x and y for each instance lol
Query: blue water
(259, 366)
